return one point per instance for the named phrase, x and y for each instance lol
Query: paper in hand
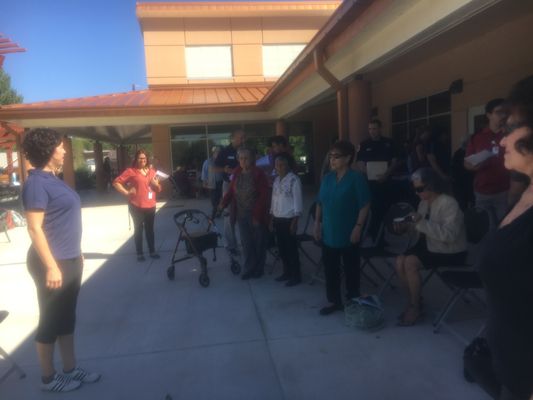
(161, 175)
(479, 157)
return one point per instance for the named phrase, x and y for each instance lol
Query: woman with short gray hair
(248, 197)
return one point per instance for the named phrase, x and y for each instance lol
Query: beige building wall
(488, 65)
(165, 41)
(161, 149)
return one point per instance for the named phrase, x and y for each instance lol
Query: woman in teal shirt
(343, 204)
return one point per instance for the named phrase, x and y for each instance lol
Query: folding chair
(387, 245)
(4, 224)
(477, 225)
(464, 282)
(305, 237)
(14, 366)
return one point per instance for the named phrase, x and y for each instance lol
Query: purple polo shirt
(62, 212)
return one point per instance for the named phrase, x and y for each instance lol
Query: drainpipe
(342, 96)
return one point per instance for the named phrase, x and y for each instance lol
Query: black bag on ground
(477, 363)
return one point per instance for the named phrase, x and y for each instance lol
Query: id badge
(150, 195)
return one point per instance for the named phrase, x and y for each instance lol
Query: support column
(359, 110)
(122, 159)
(99, 166)
(68, 164)
(281, 128)
(342, 111)
(24, 164)
(9, 154)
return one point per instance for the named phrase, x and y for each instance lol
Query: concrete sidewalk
(151, 337)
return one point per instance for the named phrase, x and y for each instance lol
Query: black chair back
(477, 224)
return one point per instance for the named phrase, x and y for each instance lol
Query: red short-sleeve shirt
(492, 178)
(145, 194)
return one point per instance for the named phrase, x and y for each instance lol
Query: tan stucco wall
(488, 65)
(165, 41)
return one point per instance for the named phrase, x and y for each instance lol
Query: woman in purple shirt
(55, 262)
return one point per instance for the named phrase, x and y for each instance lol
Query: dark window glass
(418, 108)
(399, 132)
(440, 103)
(399, 113)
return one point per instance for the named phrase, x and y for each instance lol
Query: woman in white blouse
(286, 208)
(440, 222)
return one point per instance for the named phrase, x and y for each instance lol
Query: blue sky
(74, 48)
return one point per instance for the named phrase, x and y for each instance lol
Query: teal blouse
(341, 202)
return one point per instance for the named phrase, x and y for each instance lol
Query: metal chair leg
(446, 310)
(14, 367)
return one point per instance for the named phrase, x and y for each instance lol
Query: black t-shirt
(227, 157)
(383, 149)
(506, 267)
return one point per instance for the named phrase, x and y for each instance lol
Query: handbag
(477, 367)
(365, 313)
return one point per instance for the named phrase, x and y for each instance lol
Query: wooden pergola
(9, 133)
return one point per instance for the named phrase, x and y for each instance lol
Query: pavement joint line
(267, 342)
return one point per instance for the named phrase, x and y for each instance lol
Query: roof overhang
(235, 9)
(364, 35)
(126, 117)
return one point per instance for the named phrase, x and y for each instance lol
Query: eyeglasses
(336, 156)
(419, 189)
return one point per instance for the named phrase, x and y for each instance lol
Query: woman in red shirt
(140, 185)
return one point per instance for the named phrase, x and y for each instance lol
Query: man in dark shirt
(227, 162)
(378, 149)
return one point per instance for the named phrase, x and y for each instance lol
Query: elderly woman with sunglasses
(342, 207)
(442, 242)
(506, 261)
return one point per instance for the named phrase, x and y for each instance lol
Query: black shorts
(57, 308)
(434, 260)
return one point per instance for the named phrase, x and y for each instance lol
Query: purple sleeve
(34, 195)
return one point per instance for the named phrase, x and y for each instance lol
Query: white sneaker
(60, 383)
(80, 375)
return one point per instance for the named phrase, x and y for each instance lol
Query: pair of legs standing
(331, 258)
(57, 319)
(143, 219)
(288, 251)
(254, 244)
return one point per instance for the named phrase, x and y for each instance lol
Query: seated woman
(442, 242)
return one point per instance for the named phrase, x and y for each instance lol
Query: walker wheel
(170, 273)
(204, 280)
(235, 268)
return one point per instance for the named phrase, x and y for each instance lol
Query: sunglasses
(419, 189)
(336, 156)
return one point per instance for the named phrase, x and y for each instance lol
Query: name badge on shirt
(150, 195)
(495, 148)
